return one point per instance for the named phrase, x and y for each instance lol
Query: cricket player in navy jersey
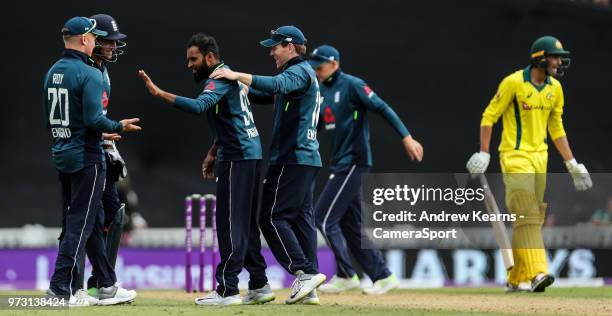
(72, 100)
(238, 149)
(344, 110)
(530, 102)
(108, 49)
(287, 219)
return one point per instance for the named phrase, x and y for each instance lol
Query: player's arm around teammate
(237, 148)
(287, 219)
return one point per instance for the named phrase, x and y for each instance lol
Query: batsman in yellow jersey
(530, 103)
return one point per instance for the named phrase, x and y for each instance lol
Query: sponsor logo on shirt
(528, 107)
(210, 86)
(104, 100)
(329, 118)
(368, 91)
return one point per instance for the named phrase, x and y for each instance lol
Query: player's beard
(201, 73)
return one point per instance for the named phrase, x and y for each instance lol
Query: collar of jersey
(101, 66)
(210, 70)
(217, 66)
(71, 53)
(527, 75)
(293, 61)
(333, 78)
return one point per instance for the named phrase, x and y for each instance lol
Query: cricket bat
(501, 235)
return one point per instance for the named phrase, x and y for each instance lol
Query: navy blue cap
(79, 25)
(107, 24)
(323, 54)
(284, 34)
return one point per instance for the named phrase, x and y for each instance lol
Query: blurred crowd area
(603, 3)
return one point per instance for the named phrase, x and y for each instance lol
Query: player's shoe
(79, 299)
(338, 284)
(214, 299)
(115, 294)
(382, 286)
(521, 287)
(82, 299)
(304, 284)
(311, 299)
(259, 296)
(92, 292)
(541, 281)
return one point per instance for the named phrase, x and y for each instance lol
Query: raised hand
(153, 89)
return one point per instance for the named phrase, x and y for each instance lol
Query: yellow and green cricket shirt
(527, 112)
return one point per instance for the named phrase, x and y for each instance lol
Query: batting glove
(580, 175)
(479, 162)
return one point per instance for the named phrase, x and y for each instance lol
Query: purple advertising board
(137, 268)
(164, 268)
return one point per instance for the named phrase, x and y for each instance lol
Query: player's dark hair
(205, 43)
(299, 48)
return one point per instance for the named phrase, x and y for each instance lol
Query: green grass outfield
(447, 301)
